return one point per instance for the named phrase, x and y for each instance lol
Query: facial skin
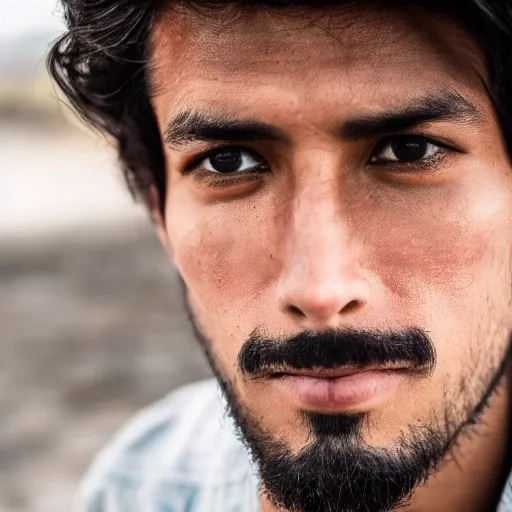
(331, 234)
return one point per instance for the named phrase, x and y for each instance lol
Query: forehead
(319, 58)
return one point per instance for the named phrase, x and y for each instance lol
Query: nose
(322, 281)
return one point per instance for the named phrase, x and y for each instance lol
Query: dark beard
(336, 471)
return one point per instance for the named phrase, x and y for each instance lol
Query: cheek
(449, 249)
(450, 267)
(224, 254)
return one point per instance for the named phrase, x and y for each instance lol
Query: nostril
(321, 300)
(296, 311)
(351, 306)
(348, 308)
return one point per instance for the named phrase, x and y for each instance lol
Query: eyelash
(197, 159)
(427, 165)
(214, 180)
(225, 180)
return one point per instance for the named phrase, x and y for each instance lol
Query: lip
(347, 389)
(324, 373)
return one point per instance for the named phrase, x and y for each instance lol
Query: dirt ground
(92, 329)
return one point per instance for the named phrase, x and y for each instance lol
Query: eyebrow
(196, 125)
(192, 125)
(444, 106)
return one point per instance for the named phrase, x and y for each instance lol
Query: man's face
(330, 173)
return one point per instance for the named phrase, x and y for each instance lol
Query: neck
(474, 472)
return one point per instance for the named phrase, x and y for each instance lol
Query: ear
(158, 217)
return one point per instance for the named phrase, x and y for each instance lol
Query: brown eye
(231, 161)
(405, 148)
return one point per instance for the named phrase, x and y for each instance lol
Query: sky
(24, 17)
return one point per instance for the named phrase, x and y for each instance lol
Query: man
(332, 181)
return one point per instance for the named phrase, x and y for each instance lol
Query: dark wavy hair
(101, 65)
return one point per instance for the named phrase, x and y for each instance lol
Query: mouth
(322, 373)
(347, 389)
(332, 373)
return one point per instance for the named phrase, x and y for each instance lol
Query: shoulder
(178, 454)
(505, 504)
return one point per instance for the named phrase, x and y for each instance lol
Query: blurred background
(91, 319)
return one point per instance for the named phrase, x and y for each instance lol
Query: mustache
(331, 349)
